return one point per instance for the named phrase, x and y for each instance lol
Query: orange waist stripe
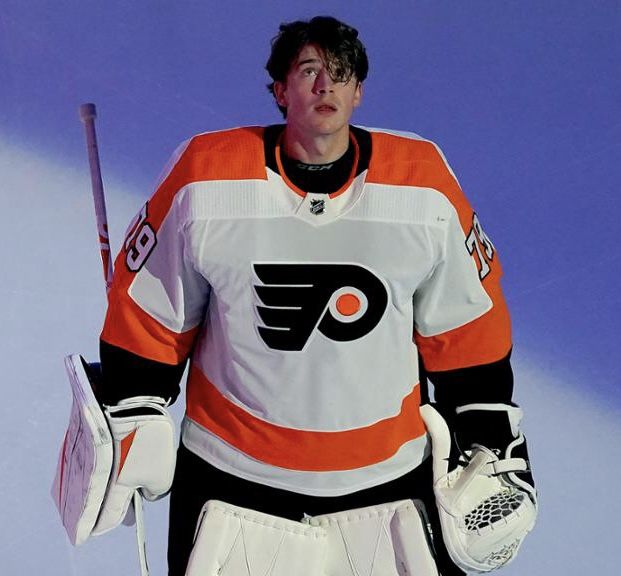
(297, 449)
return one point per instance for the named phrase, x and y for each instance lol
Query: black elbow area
(487, 383)
(124, 375)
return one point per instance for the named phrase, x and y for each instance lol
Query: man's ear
(358, 95)
(280, 90)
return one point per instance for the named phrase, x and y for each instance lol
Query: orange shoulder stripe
(400, 161)
(296, 449)
(228, 155)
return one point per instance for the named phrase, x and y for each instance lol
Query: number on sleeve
(478, 241)
(140, 241)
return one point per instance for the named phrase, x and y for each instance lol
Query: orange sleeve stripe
(131, 328)
(296, 449)
(482, 341)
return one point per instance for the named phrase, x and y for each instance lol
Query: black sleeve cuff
(124, 375)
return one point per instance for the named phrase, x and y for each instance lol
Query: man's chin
(330, 127)
(319, 127)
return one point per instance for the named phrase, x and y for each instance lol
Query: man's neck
(315, 149)
(324, 178)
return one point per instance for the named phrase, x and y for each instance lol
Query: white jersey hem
(225, 457)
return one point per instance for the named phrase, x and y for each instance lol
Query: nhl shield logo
(317, 207)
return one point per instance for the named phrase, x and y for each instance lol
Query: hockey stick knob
(87, 111)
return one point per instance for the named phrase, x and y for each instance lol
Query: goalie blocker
(482, 483)
(108, 455)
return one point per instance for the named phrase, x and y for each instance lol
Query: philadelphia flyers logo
(342, 301)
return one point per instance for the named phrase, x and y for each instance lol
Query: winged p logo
(342, 301)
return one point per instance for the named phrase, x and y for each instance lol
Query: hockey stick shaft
(88, 113)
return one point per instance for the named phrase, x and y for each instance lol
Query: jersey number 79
(478, 241)
(139, 241)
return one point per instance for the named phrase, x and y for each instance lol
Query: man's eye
(309, 71)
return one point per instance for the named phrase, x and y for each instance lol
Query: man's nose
(323, 83)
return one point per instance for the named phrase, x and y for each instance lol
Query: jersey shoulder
(210, 157)
(392, 147)
(233, 154)
(407, 159)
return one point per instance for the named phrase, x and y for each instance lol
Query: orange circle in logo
(348, 304)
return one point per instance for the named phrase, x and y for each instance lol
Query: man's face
(316, 104)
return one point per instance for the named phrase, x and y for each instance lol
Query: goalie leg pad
(485, 512)
(384, 540)
(234, 541)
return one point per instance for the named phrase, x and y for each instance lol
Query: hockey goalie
(312, 276)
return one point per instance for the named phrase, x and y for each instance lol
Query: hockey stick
(88, 113)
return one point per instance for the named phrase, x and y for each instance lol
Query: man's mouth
(325, 108)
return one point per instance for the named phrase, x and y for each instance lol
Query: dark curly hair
(345, 54)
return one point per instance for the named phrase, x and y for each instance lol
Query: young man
(314, 274)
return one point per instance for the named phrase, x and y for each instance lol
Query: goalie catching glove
(482, 483)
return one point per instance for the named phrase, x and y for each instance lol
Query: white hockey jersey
(304, 313)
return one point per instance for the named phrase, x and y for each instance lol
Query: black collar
(319, 178)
